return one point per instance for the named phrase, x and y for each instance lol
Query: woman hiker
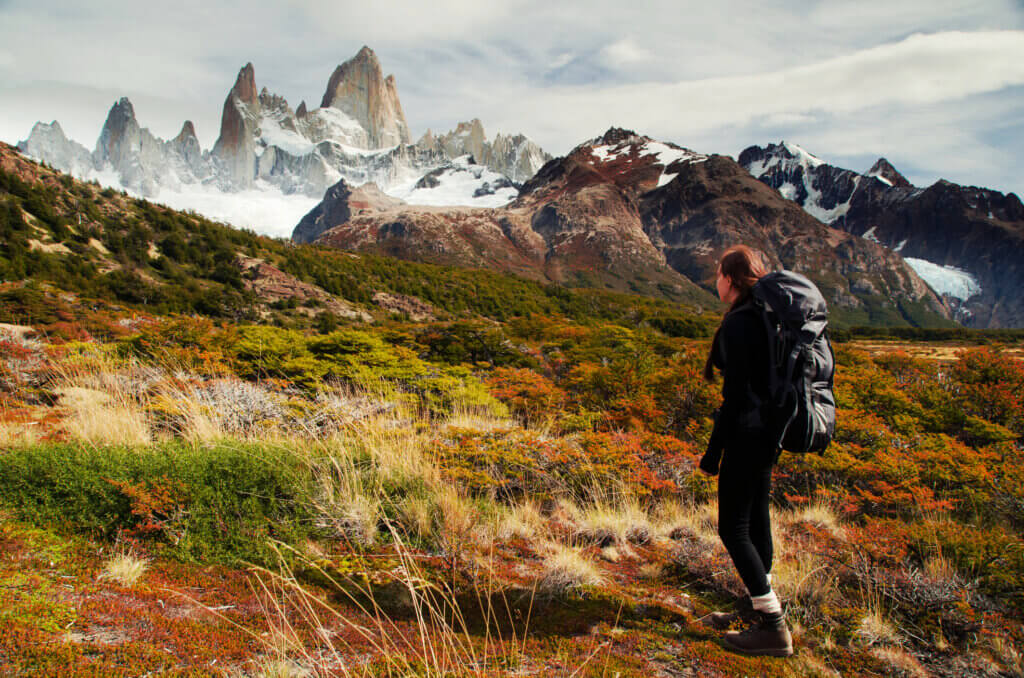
(740, 350)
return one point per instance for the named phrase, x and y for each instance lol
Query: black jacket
(741, 353)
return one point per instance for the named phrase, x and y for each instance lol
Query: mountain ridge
(359, 134)
(966, 239)
(631, 213)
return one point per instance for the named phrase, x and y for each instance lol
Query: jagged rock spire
(120, 135)
(359, 89)
(235, 148)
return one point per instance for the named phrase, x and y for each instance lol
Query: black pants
(744, 489)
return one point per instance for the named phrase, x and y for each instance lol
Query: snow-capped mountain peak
(623, 150)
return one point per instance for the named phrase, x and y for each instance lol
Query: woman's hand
(709, 462)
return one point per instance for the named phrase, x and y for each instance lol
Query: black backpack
(803, 407)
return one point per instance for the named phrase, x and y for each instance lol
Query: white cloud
(560, 60)
(922, 69)
(706, 75)
(625, 52)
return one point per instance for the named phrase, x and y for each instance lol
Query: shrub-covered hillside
(106, 246)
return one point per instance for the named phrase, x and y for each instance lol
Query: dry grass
(460, 517)
(613, 523)
(104, 399)
(479, 419)
(901, 662)
(940, 568)
(104, 420)
(419, 516)
(651, 571)
(523, 521)
(875, 629)
(438, 643)
(611, 554)
(1008, 655)
(803, 578)
(18, 434)
(673, 518)
(566, 568)
(821, 514)
(944, 352)
(125, 569)
(347, 506)
(806, 664)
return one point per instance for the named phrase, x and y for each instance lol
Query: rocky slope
(359, 134)
(964, 240)
(631, 213)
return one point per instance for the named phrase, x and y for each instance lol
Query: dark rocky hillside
(975, 230)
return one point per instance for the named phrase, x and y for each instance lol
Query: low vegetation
(509, 488)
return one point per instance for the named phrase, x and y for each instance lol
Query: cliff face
(359, 89)
(235, 149)
(630, 213)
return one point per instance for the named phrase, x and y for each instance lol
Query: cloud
(919, 70)
(707, 75)
(625, 52)
(561, 60)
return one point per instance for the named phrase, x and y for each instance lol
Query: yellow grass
(698, 520)
(940, 568)
(566, 568)
(280, 668)
(18, 434)
(613, 523)
(806, 664)
(1009, 655)
(124, 568)
(459, 519)
(522, 521)
(99, 424)
(440, 646)
(945, 352)
(875, 629)
(102, 400)
(902, 662)
(804, 578)
(818, 513)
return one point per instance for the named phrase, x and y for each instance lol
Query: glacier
(946, 280)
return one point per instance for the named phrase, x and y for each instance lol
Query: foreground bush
(212, 503)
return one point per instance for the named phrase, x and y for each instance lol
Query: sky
(935, 86)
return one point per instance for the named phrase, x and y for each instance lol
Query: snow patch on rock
(461, 183)
(946, 280)
(666, 155)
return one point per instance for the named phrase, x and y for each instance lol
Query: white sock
(768, 603)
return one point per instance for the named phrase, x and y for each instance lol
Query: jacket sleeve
(735, 339)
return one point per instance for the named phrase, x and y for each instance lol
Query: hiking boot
(743, 612)
(769, 637)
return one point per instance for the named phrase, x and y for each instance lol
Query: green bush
(210, 503)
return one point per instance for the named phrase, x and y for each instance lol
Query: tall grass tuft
(125, 568)
(566, 568)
